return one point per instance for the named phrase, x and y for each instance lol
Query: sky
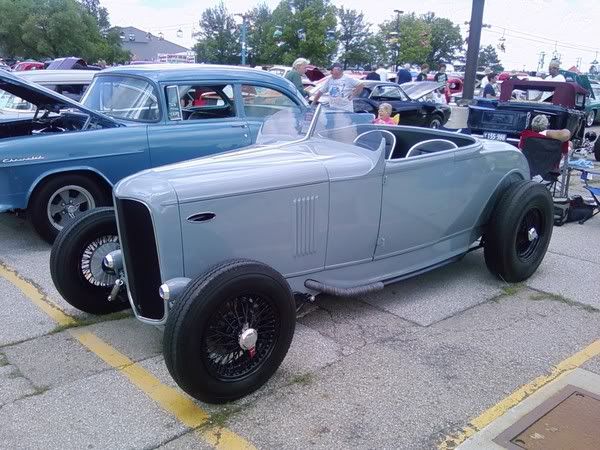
(529, 27)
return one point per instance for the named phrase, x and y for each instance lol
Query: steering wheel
(49, 129)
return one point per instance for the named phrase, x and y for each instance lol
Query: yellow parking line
(484, 419)
(170, 399)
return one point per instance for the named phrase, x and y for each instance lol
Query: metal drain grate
(568, 420)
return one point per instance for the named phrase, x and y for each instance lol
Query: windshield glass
(321, 122)
(123, 98)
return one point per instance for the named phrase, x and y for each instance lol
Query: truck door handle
(239, 125)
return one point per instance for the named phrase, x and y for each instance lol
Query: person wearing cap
(340, 88)
(295, 75)
(554, 72)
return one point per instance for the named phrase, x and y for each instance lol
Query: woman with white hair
(539, 128)
(295, 75)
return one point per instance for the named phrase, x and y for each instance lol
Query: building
(145, 46)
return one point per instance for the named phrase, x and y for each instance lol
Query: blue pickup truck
(65, 159)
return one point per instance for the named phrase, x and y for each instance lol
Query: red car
(28, 65)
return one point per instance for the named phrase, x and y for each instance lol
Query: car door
(418, 208)
(409, 110)
(201, 119)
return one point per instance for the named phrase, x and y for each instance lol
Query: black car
(412, 101)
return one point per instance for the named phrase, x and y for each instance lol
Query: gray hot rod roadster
(221, 249)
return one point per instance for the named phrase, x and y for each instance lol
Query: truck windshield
(123, 97)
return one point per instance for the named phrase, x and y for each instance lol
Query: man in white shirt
(554, 74)
(382, 72)
(340, 88)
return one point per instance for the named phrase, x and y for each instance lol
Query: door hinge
(384, 179)
(381, 242)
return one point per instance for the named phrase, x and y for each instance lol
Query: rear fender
(486, 213)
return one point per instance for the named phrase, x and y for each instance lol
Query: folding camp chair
(594, 191)
(543, 155)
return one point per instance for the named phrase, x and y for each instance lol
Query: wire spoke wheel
(241, 336)
(92, 267)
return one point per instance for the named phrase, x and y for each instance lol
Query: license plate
(494, 136)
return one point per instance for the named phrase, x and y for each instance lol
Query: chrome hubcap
(67, 203)
(532, 234)
(92, 261)
(248, 338)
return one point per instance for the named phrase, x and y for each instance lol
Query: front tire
(60, 200)
(76, 262)
(435, 122)
(229, 331)
(519, 232)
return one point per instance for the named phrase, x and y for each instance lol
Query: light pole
(473, 48)
(243, 37)
(398, 13)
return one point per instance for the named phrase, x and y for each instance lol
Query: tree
(406, 39)
(444, 39)
(304, 26)
(353, 35)
(489, 58)
(51, 29)
(218, 41)
(262, 46)
(100, 13)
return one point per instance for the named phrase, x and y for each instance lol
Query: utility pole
(473, 48)
(243, 37)
(398, 13)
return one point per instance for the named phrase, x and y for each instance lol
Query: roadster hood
(253, 169)
(418, 89)
(43, 97)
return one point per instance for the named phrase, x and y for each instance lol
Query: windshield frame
(155, 88)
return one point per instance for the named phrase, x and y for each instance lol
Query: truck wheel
(597, 149)
(435, 122)
(60, 200)
(519, 232)
(590, 118)
(229, 331)
(76, 262)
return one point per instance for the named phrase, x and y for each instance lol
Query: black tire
(192, 323)
(511, 252)
(435, 122)
(71, 279)
(39, 203)
(597, 149)
(590, 118)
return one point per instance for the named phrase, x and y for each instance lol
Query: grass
(304, 379)
(559, 298)
(92, 321)
(220, 418)
(3, 360)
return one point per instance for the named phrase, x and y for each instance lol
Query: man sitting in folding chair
(544, 149)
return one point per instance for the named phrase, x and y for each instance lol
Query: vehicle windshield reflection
(319, 122)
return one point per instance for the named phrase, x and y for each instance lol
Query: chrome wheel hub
(67, 203)
(532, 234)
(248, 339)
(92, 259)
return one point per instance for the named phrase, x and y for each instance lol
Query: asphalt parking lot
(422, 364)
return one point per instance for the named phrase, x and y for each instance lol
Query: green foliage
(489, 58)
(406, 39)
(53, 28)
(100, 13)
(444, 38)
(262, 46)
(219, 41)
(353, 35)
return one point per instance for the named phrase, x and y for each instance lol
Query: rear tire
(597, 149)
(202, 344)
(48, 199)
(519, 232)
(76, 263)
(435, 122)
